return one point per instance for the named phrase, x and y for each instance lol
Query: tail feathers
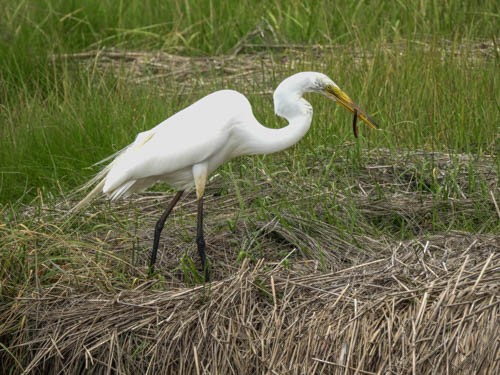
(95, 191)
(99, 180)
(122, 191)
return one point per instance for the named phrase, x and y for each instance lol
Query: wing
(189, 137)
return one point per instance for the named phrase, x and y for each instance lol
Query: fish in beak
(336, 94)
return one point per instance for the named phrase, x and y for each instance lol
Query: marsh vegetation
(373, 254)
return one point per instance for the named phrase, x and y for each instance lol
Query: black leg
(200, 241)
(159, 227)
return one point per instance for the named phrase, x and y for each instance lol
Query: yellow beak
(345, 101)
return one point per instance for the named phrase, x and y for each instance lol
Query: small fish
(355, 123)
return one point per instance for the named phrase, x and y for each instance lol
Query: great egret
(185, 148)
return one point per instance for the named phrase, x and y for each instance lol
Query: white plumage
(205, 132)
(185, 148)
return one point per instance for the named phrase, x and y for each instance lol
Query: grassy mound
(307, 279)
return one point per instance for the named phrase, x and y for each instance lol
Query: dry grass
(307, 298)
(249, 63)
(429, 307)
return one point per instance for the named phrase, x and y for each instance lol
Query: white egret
(185, 148)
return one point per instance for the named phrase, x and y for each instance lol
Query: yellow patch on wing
(144, 141)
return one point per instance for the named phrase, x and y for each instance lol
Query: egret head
(291, 89)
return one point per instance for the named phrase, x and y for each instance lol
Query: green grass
(421, 99)
(213, 27)
(427, 71)
(57, 118)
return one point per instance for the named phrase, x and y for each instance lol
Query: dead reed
(311, 299)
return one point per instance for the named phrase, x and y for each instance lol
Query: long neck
(296, 110)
